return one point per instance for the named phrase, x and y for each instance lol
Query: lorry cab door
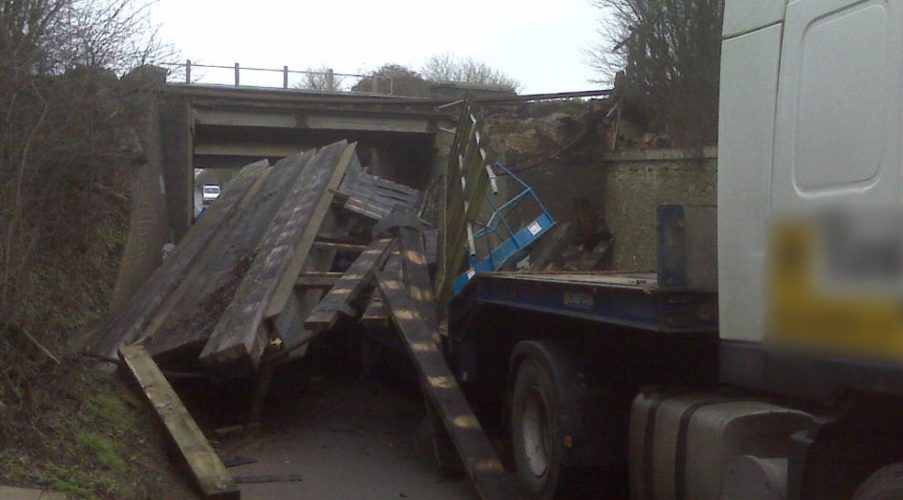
(837, 128)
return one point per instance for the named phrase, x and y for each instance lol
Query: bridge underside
(227, 128)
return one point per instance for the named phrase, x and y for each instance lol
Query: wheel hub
(536, 433)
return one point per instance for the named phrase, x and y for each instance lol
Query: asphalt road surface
(347, 437)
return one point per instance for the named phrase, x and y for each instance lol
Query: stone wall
(149, 227)
(623, 188)
(637, 182)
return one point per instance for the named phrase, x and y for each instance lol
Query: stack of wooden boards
(227, 292)
(256, 263)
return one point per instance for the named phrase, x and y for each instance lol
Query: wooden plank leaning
(131, 322)
(416, 278)
(479, 458)
(349, 286)
(207, 469)
(187, 319)
(240, 337)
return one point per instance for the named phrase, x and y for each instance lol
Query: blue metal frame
(672, 246)
(514, 243)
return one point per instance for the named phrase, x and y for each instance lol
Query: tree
(62, 122)
(663, 57)
(321, 78)
(449, 68)
(394, 79)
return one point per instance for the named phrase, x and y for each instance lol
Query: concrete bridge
(225, 128)
(221, 128)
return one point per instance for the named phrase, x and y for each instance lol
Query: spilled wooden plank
(206, 467)
(480, 460)
(349, 286)
(417, 281)
(416, 275)
(132, 321)
(240, 337)
(209, 289)
(346, 156)
(374, 197)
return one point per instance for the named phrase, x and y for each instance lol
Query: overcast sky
(538, 42)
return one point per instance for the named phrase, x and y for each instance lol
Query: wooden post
(236, 74)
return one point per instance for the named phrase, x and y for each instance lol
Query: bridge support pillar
(176, 132)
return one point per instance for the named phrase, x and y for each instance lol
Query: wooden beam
(131, 322)
(239, 338)
(347, 247)
(416, 274)
(376, 315)
(480, 460)
(218, 267)
(456, 218)
(331, 237)
(205, 465)
(310, 230)
(417, 281)
(349, 286)
(318, 280)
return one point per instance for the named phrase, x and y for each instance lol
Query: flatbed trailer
(586, 330)
(616, 298)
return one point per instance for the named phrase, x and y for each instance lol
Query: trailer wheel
(884, 484)
(537, 443)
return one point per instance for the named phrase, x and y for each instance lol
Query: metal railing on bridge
(309, 80)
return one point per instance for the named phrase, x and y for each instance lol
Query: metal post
(374, 85)
(493, 180)
(236, 74)
(330, 80)
(285, 77)
(188, 71)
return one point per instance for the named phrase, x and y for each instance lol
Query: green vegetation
(96, 448)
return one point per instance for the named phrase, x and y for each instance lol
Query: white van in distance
(209, 193)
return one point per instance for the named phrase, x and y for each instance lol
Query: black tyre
(884, 484)
(537, 443)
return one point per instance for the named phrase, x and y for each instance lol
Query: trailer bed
(619, 298)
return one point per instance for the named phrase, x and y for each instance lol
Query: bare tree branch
(448, 68)
(663, 57)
